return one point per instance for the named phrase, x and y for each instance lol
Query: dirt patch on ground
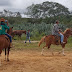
(32, 41)
(33, 61)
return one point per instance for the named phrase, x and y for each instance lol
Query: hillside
(7, 13)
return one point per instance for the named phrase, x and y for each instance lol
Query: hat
(2, 19)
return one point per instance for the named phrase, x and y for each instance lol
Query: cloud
(22, 4)
(4, 3)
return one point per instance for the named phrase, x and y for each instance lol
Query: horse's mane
(65, 31)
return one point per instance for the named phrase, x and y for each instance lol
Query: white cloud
(22, 4)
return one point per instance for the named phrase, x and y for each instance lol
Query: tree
(47, 9)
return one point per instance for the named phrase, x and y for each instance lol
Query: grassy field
(21, 45)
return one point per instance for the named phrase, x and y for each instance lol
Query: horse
(18, 32)
(5, 44)
(52, 39)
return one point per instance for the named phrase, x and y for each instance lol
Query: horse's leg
(8, 54)
(60, 52)
(52, 52)
(5, 54)
(19, 36)
(43, 49)
(63, 49)
(0, 57)
(13, 37)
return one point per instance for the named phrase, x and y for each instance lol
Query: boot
(63, 43)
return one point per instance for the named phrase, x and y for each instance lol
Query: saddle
(5, 37)
(57, 39)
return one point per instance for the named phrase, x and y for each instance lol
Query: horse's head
(10, 30)
(24, 31)
(68, 32)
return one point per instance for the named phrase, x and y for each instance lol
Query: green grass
(20, 45)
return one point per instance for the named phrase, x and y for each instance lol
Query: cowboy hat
(2, 19)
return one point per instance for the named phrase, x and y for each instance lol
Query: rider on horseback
(57, 31)
(3, 28)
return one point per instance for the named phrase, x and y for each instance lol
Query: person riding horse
(57, 31)
(3, 28)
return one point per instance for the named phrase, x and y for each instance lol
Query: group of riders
(4, 25)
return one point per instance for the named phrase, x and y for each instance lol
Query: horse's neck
(66, 35)
(23, 31)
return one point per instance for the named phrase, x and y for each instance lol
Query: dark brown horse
(4, 44)
(51, 39)
(18, 32)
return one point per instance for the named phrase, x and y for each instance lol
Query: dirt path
(32, 41)
(33, 61)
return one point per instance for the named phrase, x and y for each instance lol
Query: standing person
(56, 31)
(3, 28)
(28, 36)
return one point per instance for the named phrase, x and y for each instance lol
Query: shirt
(55, 29)
(3, 28)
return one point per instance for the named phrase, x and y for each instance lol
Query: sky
(18, 5)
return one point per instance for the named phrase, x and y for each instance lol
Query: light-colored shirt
(55, 29)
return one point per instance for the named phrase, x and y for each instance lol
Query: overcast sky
(15, 5)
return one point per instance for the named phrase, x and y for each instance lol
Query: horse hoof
(53, 54)
(7, 59)
(59, 53)
(64, 55)
(42, 54)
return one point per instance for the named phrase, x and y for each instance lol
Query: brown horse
(4, 44)
(18, 32)
(51, 39)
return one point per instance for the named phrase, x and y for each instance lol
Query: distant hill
(7, 13)
(47, 9)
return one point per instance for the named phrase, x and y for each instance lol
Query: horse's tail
(41, 41)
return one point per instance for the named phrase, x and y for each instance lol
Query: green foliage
(70, 40)
(38, 27)
(36, 30)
